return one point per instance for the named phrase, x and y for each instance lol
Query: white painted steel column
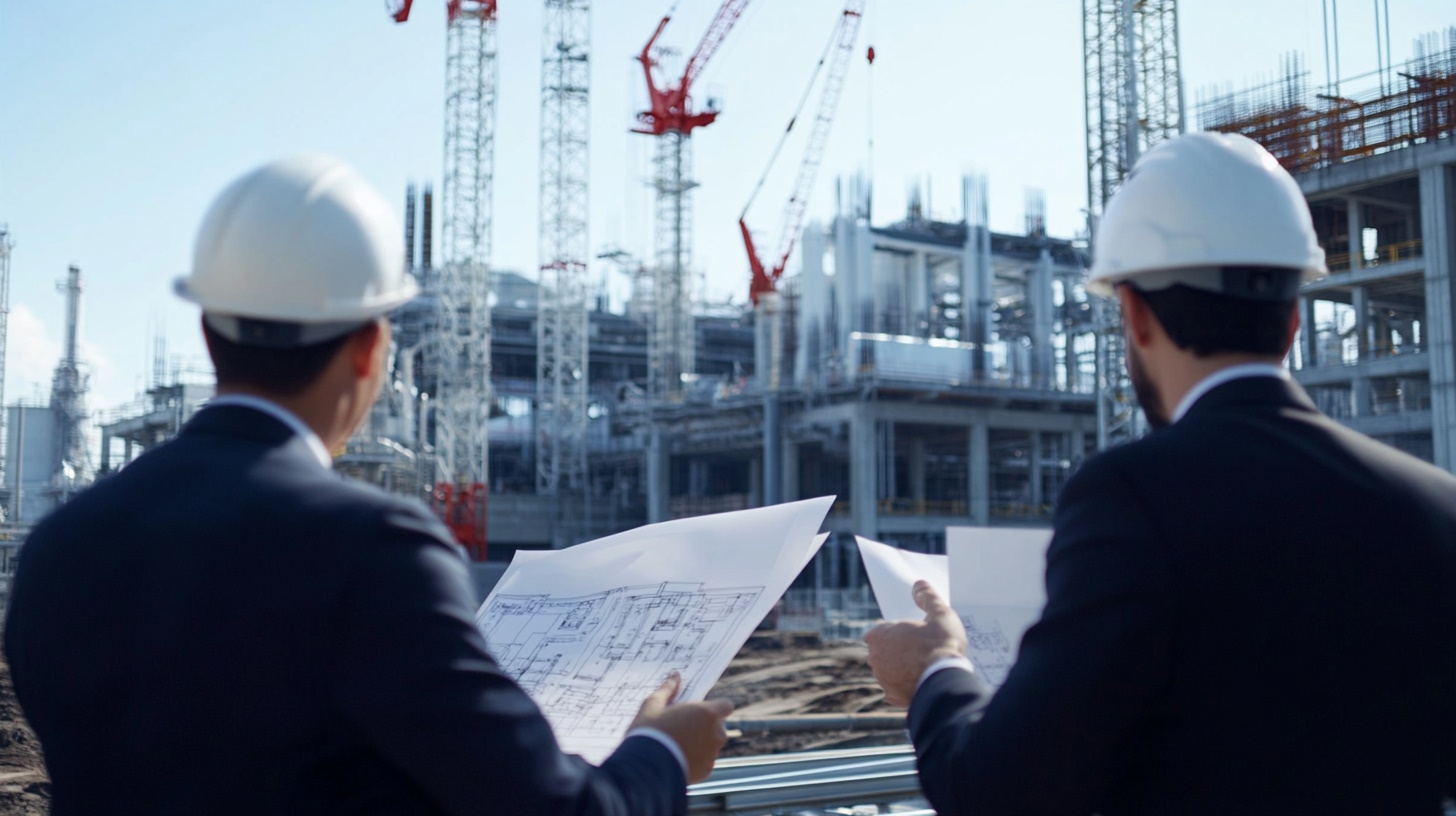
(1438, 229)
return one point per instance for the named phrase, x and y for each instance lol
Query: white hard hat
(1211, 211)
(297, 252)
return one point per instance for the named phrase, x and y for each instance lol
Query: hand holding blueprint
(992, 577)
(894, 571)
(591, 630)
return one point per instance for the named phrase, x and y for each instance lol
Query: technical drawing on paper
(590, 661)
(989, 650)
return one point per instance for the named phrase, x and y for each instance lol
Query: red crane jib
(670, 108)
(452, 10)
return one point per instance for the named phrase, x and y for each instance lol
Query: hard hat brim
(329, 313)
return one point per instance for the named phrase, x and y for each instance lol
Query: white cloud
(31, 354)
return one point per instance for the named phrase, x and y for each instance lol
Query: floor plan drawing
(589, 661)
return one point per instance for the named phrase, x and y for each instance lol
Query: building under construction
(1377, 160)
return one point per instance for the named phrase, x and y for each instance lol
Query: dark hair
(1207, 323)
(286, 372)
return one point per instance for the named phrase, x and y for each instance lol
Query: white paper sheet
(997, 585)
(591, 630)
(894, 571)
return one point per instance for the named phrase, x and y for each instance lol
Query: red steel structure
(671, 106)
(401, 10)
(837, 53)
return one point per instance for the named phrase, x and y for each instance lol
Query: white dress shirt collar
(278, 412)
(1225, 375)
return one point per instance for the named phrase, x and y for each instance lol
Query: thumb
(929, 600)
(664, 695)
(719, 708)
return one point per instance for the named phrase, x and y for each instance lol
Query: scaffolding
(563, 297)
(5, 246)
(1134, 99)
(461, 344)
(1309, 129)
(673, 341)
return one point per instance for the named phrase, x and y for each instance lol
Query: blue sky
(121, 121)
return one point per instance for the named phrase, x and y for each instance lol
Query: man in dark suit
(226, 626)
(1251, 610)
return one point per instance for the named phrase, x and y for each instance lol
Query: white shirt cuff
(944, 663)
(667, 742)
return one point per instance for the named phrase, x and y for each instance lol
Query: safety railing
(1384, 254)
(923, 507)
(865, 780)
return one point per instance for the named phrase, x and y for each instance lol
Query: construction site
(927, 373)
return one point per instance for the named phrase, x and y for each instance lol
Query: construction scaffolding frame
(461, 348)
(1134, 99)
(673, 342)
(562, 305)
(1309, 129)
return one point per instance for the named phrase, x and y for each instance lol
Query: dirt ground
(780, 674)
(24, 788)
(775, 674)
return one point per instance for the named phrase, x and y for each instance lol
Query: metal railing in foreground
(806, 783)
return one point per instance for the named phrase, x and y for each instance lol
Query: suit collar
(1270, 392)
(245, 422)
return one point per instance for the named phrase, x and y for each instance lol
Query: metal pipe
(803, 723)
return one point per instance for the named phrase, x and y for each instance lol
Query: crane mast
(671, 118)
(562, 303)
(459, 347)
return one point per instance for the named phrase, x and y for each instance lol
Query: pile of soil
(24, 788)
(782, 674)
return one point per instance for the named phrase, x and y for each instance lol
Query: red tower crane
(671, 120)
(400, 9)
(670, 108)
(837, 53)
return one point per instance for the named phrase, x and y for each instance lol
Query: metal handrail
(757, 786)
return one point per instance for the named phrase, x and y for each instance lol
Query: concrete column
(1307, 340)
(1438, 236)
(790, 485)
(1360, 383)
(1044, 356)
(1079, 445)
(1357, 228)
(915, 468)
(127, 453)
(863, 453)
(756, 495)
(918, 315)
(1037, 500)
(697, 477)
(980, 476)
(657, 472)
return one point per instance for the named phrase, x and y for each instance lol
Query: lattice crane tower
(462, 285)
(672, 339)
(5, 246)
(561, 337)
(1134, 98)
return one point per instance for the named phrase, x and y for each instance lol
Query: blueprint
(591, 630)
(893, 572)
(997, 587)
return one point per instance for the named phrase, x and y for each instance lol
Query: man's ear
(1137, 319)
(1294, 323)
(363, 349)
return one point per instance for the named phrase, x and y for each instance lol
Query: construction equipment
(563, 293)
(838, 50)
(463, 511)
(1133, 92)
(763, 289)
(672, 119)
(459, 347)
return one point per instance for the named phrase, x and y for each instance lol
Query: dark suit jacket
(225, 626)
(1252, 611)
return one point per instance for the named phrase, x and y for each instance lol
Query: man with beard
(1251, 610)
